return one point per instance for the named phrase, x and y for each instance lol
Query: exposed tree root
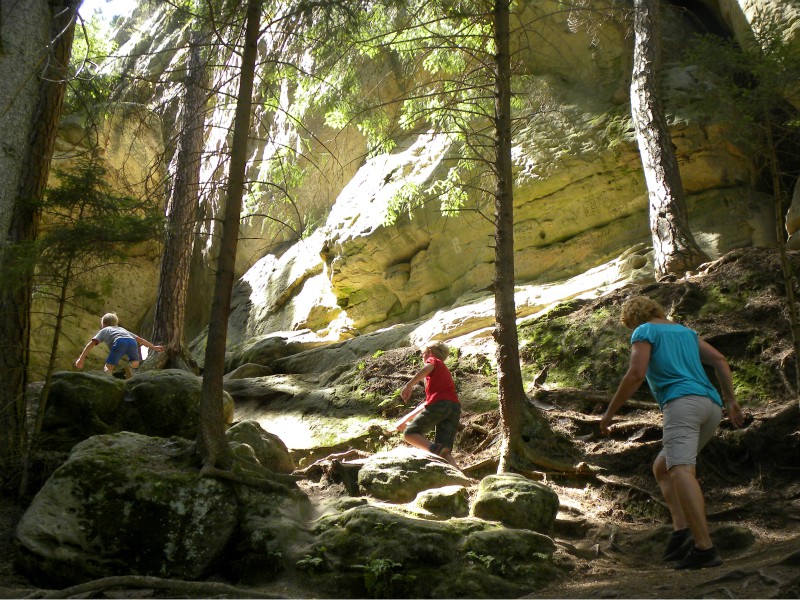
(557, 466)
(172, 359)
(573, 394)
(247, 473)
(613, 481)
(320, 467)
(176, 587)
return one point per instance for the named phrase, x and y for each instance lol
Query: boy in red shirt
(441, 409)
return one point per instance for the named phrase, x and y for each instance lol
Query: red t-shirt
(439, 383)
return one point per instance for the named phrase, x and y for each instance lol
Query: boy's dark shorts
(442, 415)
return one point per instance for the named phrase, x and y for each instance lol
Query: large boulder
(448, 501)
(79, 406)
(125, 504)
(160, 403)
(249, 440)
(165, 403)
(399, 475)
(516, 502)
(128, 484)
(367, 551)
(508, 544)
(272, 525)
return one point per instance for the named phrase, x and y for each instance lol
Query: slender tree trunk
(170, 310)
(675, 248)
(41, 408)
(509, 377)
(211, 431)
(51, 362)
(786, 267)
(15, 301)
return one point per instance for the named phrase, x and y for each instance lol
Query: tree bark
(15, 300)
(675, 248)
(511, 391)
(211, 430)
(170, 312)
(786, 267)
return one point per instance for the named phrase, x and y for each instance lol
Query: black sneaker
(700, 559)
(679, 544)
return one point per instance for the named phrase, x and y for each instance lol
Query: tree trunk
(211, 431)
(170, 309)
(675, 249)
(23, 226)
(509, 377)
(786, 267)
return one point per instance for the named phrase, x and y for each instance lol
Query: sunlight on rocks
(300, 433)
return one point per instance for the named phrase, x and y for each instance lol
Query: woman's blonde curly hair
(640, 309)
(438, 349)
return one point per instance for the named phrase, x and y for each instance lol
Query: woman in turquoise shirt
(671, 357)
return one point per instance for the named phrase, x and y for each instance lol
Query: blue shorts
(123, 347)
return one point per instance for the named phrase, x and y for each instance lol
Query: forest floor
(612, 529)
(613, 523)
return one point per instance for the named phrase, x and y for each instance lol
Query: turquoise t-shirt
(675, 369)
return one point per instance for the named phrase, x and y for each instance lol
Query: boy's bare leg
(446, 454)
(418, 440)
(108, 368)
(128, 371)
(421, 442)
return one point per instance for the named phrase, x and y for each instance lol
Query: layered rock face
(580, 196)
(580, 201)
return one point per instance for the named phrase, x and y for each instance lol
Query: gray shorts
(442, 415)
(689, 423)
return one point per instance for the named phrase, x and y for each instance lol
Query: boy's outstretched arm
(408, 389)
(144, 342)
(86, 349)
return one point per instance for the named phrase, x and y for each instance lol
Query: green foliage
(754, 381)
(314, 562)
(382, 579)
(486, 560)
(439, 56)
(84, 219)
(86, 231)
(581, 350)
(719, 299)
(311, 564)
(754, 91)
(90, 86)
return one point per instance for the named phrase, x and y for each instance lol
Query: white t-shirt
(109, 335)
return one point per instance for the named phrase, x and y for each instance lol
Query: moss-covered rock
(125, 504)
(516, 502)
(448, 501)
(79, 406)
(248, 437)
(369, 551)
(165, 403)
(271, 525)
(161, 403)
(399, 475)
(508, 544)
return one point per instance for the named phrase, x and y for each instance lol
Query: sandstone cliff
(338, 269)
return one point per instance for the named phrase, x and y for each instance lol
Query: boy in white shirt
(120, 342)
